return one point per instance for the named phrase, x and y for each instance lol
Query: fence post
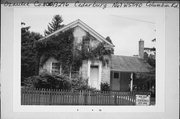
(79, 102)
(85, 98)
(49, 96)
(134, 98)
(115, 99)
(39, 92)
(31, 96)
(89, 97)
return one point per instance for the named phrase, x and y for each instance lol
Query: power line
(134, 19)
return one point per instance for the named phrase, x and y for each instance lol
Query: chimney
(141, 48)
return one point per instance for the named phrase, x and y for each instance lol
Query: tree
(150, 55)
(55, 24)
(28, 52)
(150, 58)
(146, 81)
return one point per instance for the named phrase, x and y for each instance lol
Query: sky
(124, 27)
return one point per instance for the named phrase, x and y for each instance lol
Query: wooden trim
(111, 72)
(84, 27)
(51, 67)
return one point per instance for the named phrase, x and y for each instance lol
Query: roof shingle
(129, 64)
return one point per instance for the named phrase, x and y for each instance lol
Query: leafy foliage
(144, 79)
(105, 87)
(53, 81)
(59, 47)
(150, 59)
(55, 24)
(79, 83)
(96, 53)
(28, 53)
(62, 48)
(108, 39)
(48, 81)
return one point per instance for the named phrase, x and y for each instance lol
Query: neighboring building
(124, 68)
(118, 71)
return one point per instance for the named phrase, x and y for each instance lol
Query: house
(124, 68)
(118, 70)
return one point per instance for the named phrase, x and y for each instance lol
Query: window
(55, 68)
(116, 75)
(78, 43)
(86, 43)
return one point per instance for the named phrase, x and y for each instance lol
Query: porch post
(131, 83)
(111, 72)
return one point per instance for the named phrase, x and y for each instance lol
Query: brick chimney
(141, 48)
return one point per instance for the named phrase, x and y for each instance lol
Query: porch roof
(129, 64)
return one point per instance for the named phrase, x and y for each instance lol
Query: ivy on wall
(59, 46)
(62, 48)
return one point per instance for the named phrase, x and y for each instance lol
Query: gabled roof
(84, 27)
(129, 64)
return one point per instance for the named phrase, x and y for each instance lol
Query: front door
(115, 81)
(94, 76)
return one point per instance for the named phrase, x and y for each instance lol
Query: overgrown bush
(105, 87)
(52, 81)
(48, 81)
(80, 84)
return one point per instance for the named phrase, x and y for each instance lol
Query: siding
(106, 71)
(105, 76)
(124, 81)
(84, 69)
(79, 33)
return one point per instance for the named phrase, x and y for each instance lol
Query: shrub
(48, 81)
(55, 81)
(105, 87)
(80, 84)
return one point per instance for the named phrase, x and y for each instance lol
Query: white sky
(124, 27)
